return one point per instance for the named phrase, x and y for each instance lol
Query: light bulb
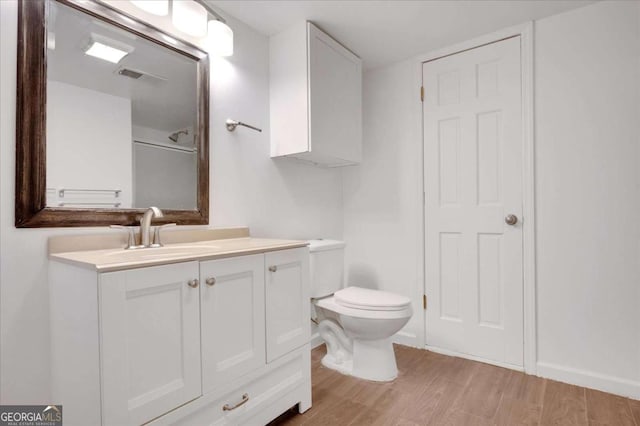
(189, 17)
(219, 39)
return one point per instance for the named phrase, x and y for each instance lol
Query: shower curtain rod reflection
(167, 147)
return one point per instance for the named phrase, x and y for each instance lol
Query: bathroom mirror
(112, 118)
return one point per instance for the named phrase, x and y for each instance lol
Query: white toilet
(355, 323)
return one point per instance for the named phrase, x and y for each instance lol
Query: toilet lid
(374, 300)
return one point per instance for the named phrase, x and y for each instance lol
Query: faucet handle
(156, 234)
(131, 244)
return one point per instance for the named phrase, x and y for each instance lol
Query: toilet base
(344, 367)
(372, 360)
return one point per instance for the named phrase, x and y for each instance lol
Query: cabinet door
(232, 302)
(335, 99)
(150, 341)
(287, 301)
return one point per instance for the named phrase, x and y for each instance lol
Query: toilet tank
(326, 265)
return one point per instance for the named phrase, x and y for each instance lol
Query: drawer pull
(210, 281)
(193, 283)
(273, 268)
(228, 407)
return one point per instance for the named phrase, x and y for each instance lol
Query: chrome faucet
(145, 225)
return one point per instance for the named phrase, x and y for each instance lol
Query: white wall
(88, 140)
(587, 98)
(382, 196)
(279, 199)
(274, 197)
(587, 77)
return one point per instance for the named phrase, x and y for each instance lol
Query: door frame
(525, 32)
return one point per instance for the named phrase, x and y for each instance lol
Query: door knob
(193, 283)
(273, 268)
(210, 281)
(511, 219)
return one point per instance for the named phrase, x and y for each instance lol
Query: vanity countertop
(108, 260)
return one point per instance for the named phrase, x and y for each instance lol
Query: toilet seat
(330, 304)
(373, 300)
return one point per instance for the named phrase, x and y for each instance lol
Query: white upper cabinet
(316, 98)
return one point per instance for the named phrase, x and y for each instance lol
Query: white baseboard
(473, 358)
(587, 379)
(406, 339)
(611, 384)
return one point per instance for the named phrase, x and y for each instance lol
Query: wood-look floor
(434, 389)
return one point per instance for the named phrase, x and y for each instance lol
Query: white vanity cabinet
(221, 341)
(150, 341)
(233, 305)
(287, 302)
(315, 98)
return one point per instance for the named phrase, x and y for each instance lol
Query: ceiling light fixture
(155, 7)
(219, 39)
(190, 17)
(105, 52)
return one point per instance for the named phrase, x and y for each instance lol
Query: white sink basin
(160, 252)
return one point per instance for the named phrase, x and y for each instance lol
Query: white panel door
(287, 301)
(150, 341)
(473, 181)
(233, 330)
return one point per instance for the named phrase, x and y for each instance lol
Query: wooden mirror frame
(31, 210)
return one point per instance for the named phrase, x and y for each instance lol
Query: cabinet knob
(273, 268)
(210, 281)
(193, 283)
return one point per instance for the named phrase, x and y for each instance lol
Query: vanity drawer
(253, 396)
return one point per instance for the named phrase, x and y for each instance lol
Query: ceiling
(383, 32)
